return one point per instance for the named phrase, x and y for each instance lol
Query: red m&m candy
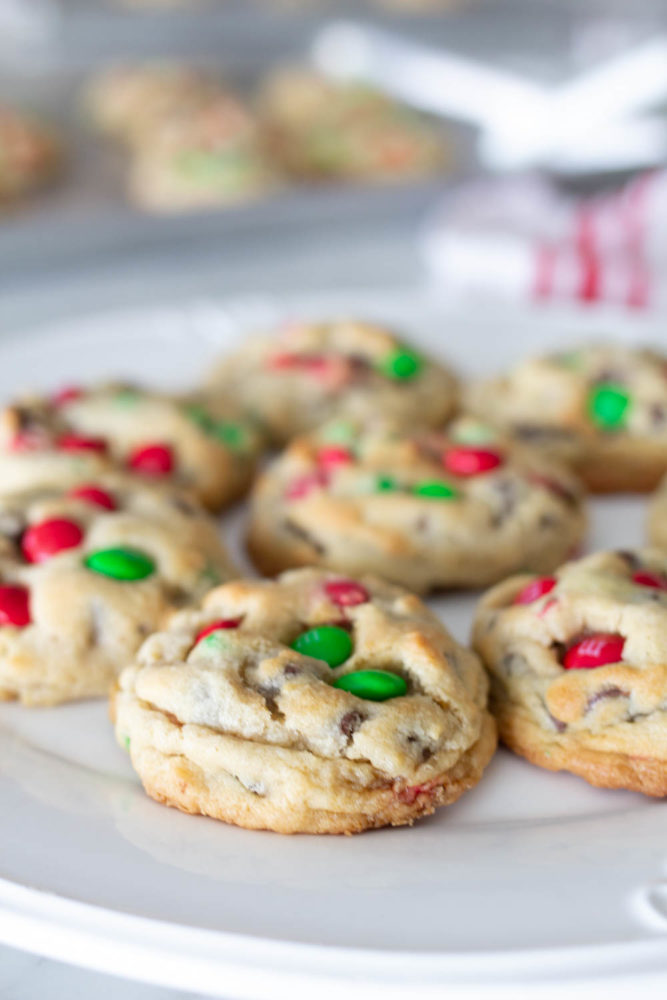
(14, 606)
(78, 442)
(643, 578)
(46, 539)
(95, 495)
(536, 589)
(463, 461)
(346, 593)
(594, 651)
(301, 487)
(66, 395)
(215, 626)
(152, 460)
(333, 455)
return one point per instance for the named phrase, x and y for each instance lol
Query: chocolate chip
(658, 415)
(350, 722)
(537, 433)
(547, 522)
(629, 558)
(604, 694)
(184, 506)
(295, 529)
(426, 753)
(268, 693)
(12, 525)
(558, 724)
(506, 492)
(292, 669)
(608, 376)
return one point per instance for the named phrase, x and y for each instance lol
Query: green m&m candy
(120, 563)
(373, 685)
(230, 434)
(608, 405)
(435, 490)
(401, 364)
(386, 484)
(325, 642)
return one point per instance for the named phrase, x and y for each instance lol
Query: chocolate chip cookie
(305, 373)
(87, 573)
(603, 408)
(578, 662)
(312, 704)
(425, 509)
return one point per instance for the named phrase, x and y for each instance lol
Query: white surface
(533, 879)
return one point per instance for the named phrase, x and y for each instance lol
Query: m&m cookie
(86, 573)
(426, 509)
(312, 704)
(320, 130)
(578, 667)
(602, 408)
(657, 516)
(30, 154)
(78, 432)
(305, 373)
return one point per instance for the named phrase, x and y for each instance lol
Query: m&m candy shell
(435, 490)
(46, 539)
(373, 685)
(67, 395)
(346, 593)
(14, 606)
(222, 623)
(94, 495)
(325, 642)
(471, 461)
(536, 589)
(152, 460)
(333, 456)
(79, 442)
(401, 364)
(594, 651)
(608, 405)
(120, 563)
(643, 578)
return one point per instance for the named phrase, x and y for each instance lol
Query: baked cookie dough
(30, 155)
(189, 443)
(210, 154)
(425, 509)
(320, 129)
(126, 100)
(86, 574)
(602, 408)
(657, 517)
(294, 379)
(579, 668)
(312, 704)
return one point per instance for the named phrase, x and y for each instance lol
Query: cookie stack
(330, 699)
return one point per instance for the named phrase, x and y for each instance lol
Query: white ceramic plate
(533, 880)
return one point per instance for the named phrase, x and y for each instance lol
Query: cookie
(305, 373)
(86, 574)
(602, 408)
(126, 100)
(579, 668)
(425, 509)
(321, 130)
(79, 432)
(312, 704)
(657, 517)
(211, 154)
(30, 154)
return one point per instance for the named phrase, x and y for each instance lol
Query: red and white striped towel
(520, 238)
